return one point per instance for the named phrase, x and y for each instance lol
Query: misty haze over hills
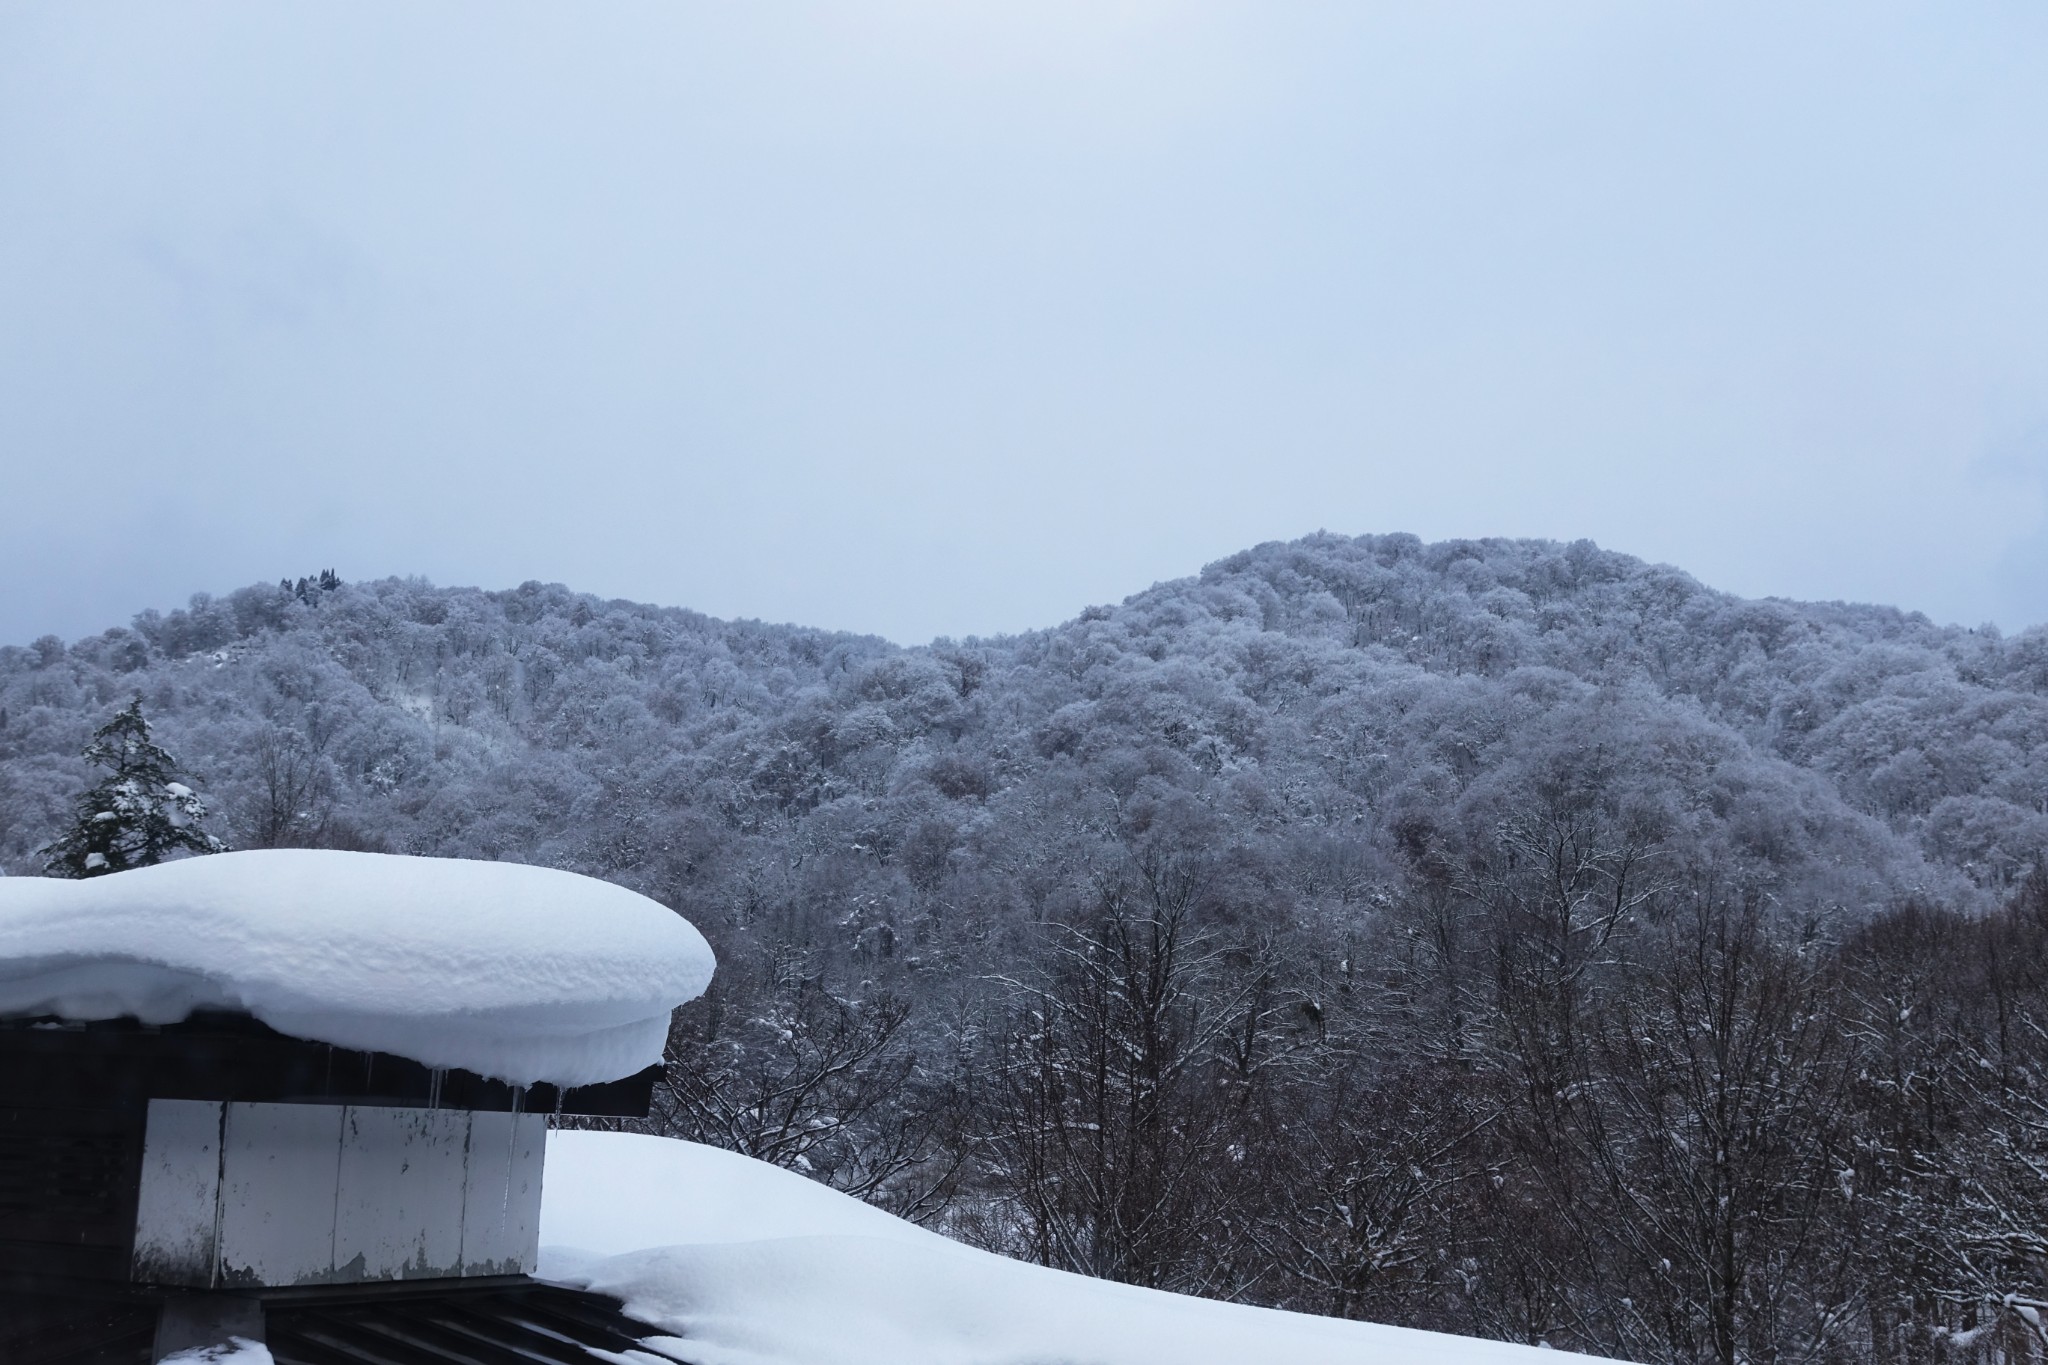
(1503, 937)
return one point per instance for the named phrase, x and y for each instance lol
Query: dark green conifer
(137, 815)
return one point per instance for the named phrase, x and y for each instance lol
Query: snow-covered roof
(744, 1262)
(523, 973)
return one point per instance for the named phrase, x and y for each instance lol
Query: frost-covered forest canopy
(1500, 936)
(1298, 703)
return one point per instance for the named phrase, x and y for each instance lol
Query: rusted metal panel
(178, 1205)
(398, 1209)
(280, 1169)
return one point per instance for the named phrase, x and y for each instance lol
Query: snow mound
(236, 1351)
(523, 973)
(750, 1265)
(608, 1193)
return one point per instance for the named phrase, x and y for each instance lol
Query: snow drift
(751, 1265)
(523, 973)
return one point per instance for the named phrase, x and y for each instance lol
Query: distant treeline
(1498, 936)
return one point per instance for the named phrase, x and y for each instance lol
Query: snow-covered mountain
(1504, 937)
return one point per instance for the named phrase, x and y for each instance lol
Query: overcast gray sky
(931, 317)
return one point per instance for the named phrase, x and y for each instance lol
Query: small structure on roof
(257, 1085)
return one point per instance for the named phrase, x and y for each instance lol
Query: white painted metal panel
(288, 1194)
(398, 1208)
(529, 1157)
(280, 1165)
(501, 1204)
(180, 1196)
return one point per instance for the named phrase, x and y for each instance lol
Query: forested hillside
(1500, 936)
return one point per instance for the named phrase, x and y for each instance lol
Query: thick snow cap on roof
(523, 973)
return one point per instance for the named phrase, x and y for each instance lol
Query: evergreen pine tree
(136, 816)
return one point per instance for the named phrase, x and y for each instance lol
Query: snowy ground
(751, 1265)
(236, 1352)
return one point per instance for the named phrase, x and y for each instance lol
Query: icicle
(511, 1160)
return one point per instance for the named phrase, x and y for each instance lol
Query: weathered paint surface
(501, 1206)
(398, 1212)
(279, 1168)
(180, 1197)
(327, 1194)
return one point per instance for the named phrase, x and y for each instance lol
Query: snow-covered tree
(137, 815)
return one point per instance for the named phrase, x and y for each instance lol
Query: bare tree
(1547, 900)
(1987, 1248)
(1111, 1123)
(1712, 1110)
(823, 1085)
(294, 794)
(1368, 1180)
